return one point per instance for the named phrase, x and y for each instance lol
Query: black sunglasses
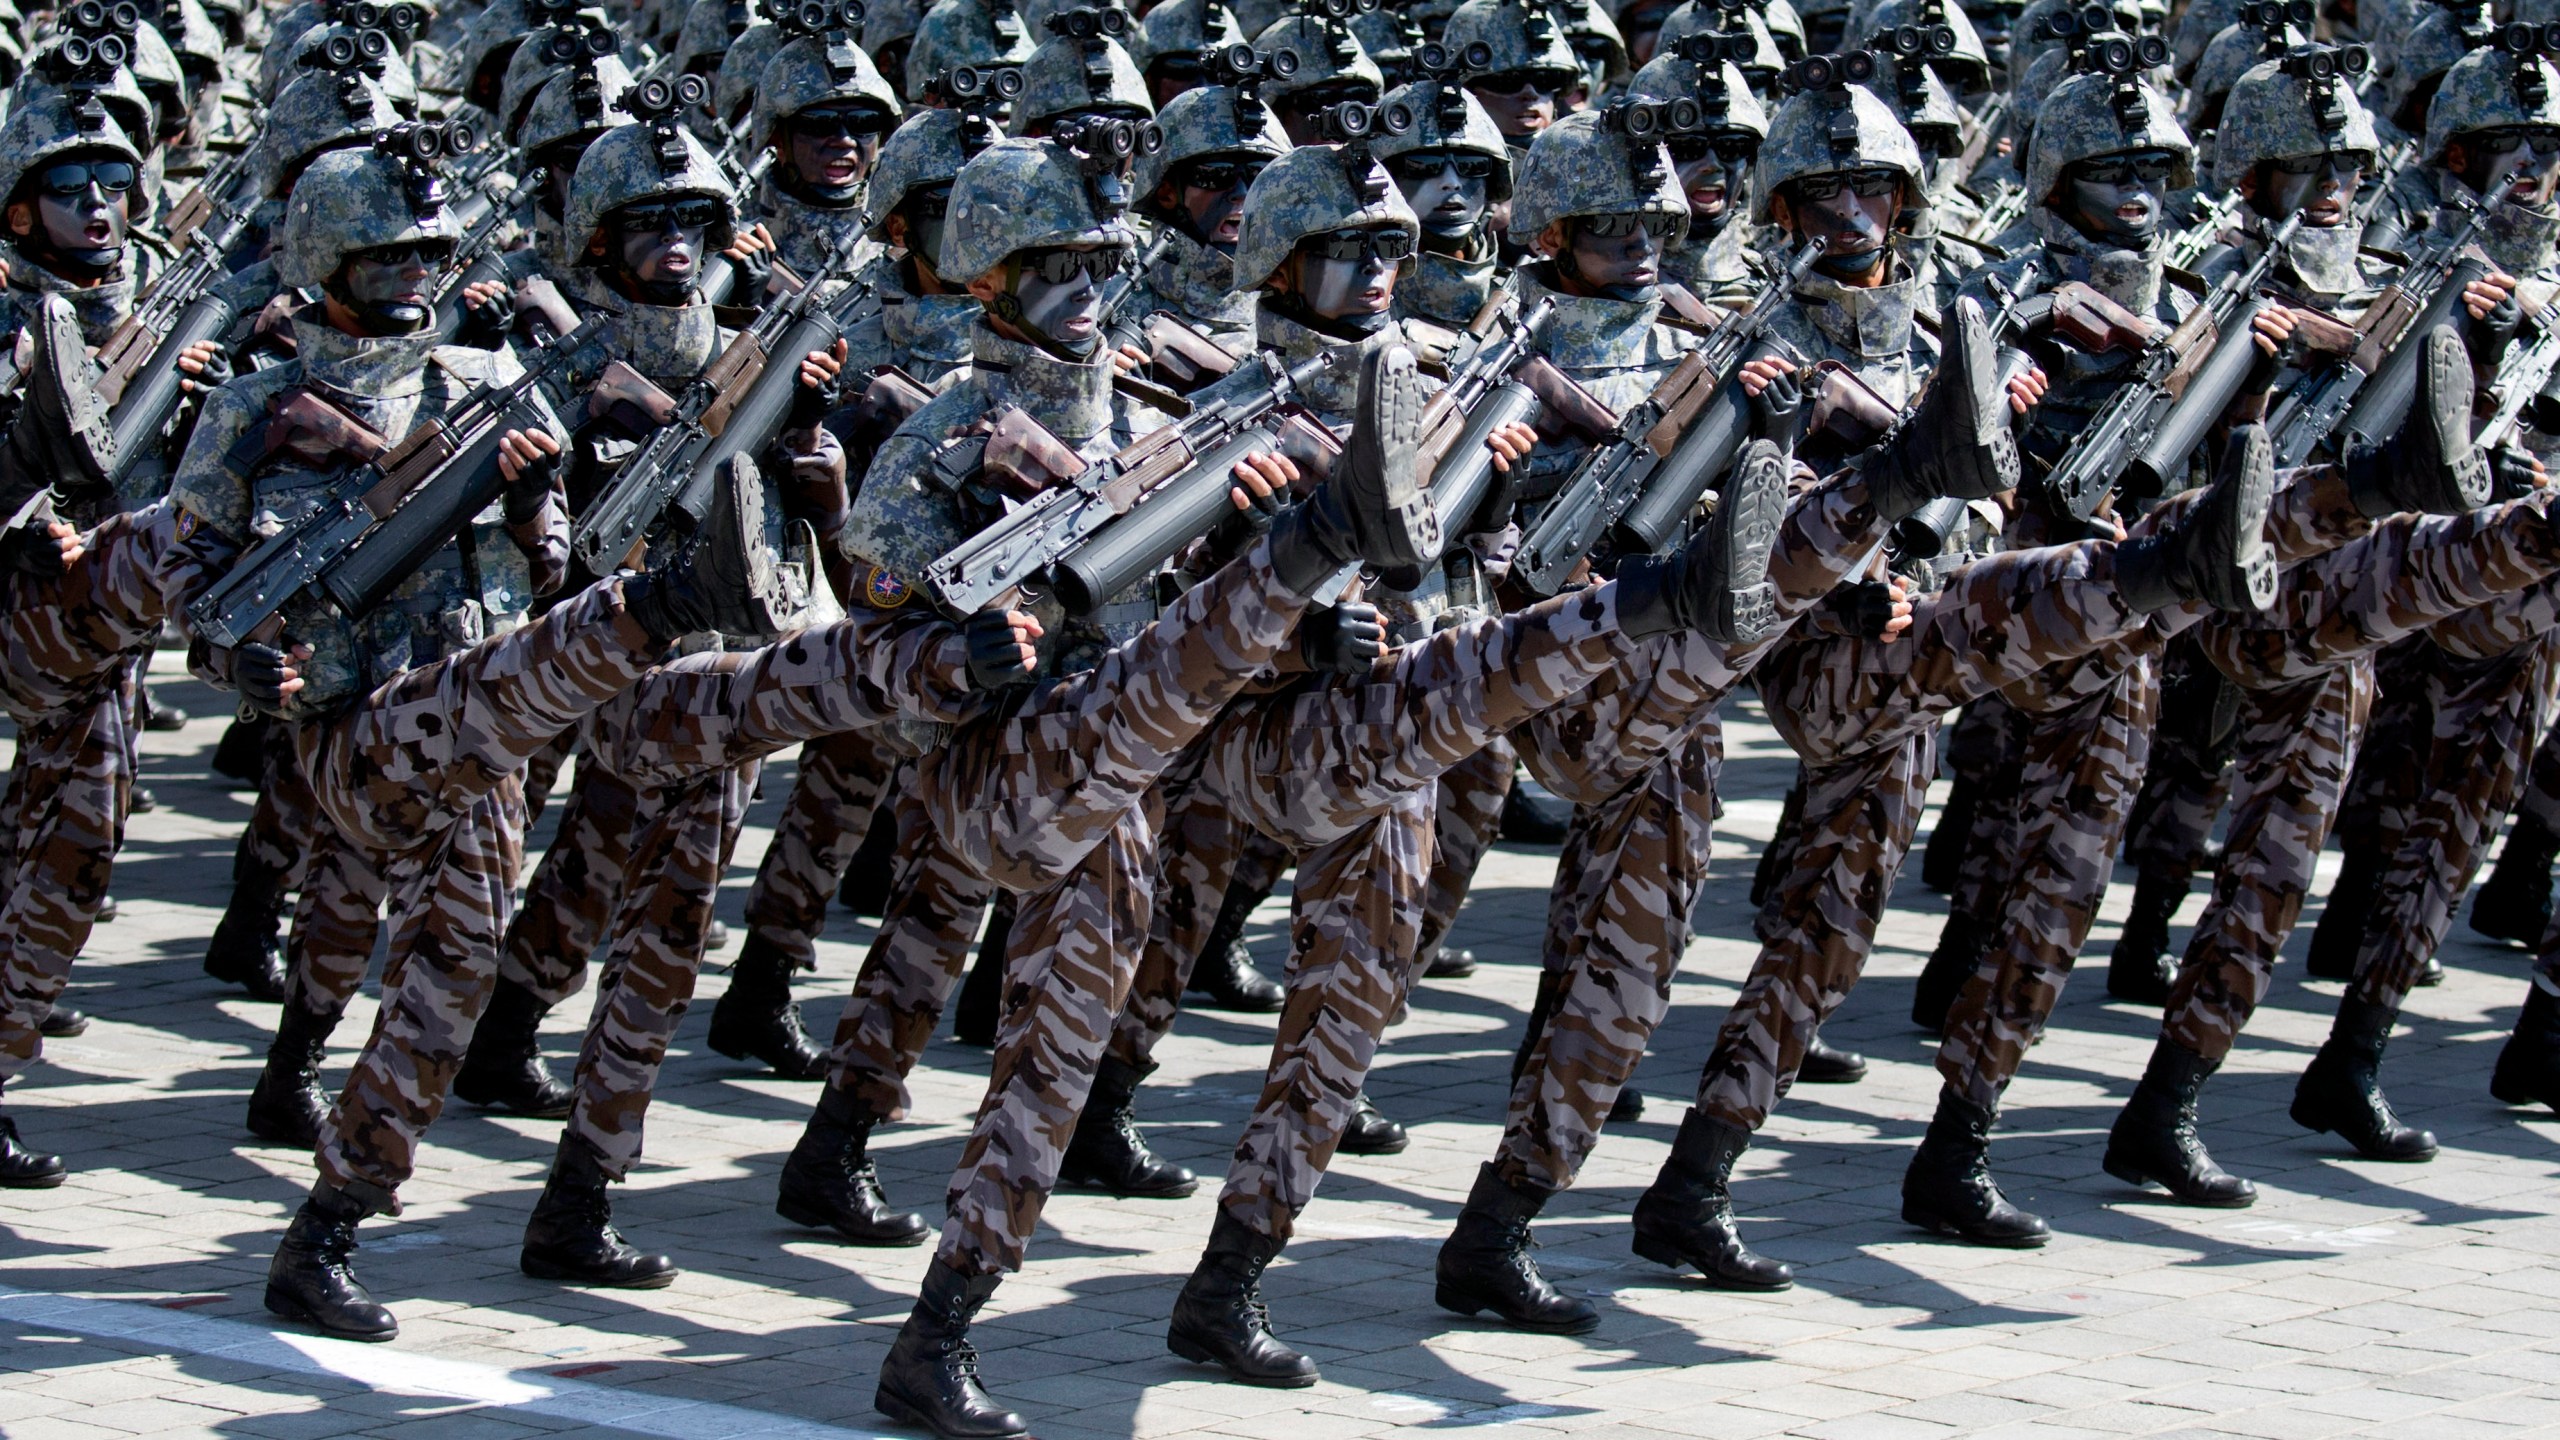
(1866, 183)
(831, 122)
(1414, 167)
(930, 203)
(2336, 162)
(1539, 78)
(1058, 267)
(1619, 227)
(71, 177)
(1220, 175)
(1690, 149)
(409, 252)
(1368, 245)
(2153, 168)
(2544, 139)
(657, 217)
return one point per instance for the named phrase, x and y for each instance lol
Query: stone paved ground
(2355, 1299)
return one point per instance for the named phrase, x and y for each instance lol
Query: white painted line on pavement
(401, 1372)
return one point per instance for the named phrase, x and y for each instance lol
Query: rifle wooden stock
(1564, 407)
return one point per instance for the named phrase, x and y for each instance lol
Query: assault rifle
(2340, 397)
(1483, 395)
(484, 211)
(385, 513)
(140, 359)
(1115, 519)
(735, 406)
(1644, 478)
(2145, 431)
(2526, 395)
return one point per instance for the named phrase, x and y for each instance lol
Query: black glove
(31, 551)
(2511, 474)
(487, 325)
(2263, 371)
(217, 371)
(530, 488)
(1236, 531)
(1344, 640)
(1775, 409)
(1862, 608)
(995, 655)
(812, 404)
(260, 672)
(754, 272)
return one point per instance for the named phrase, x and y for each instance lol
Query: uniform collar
(1072, 398)
(2131, 278)
(1590, 331)
(1198, 281)
(1872, 323)
(1450, 289)
(1335, 393)
(379, 369)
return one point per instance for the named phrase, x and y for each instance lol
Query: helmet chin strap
(381, 321)
(1007, 307)
(81, 264)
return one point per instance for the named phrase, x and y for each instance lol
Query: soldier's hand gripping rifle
(140, 360)
(1667, 451)
(383, 517)
(735, 406)
(1120, 517)
(1484, 394)
(2344, 400)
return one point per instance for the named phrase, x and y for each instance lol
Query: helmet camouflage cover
(1724, 97)
(1446, 117)
(1589, 164)
(633, 163)
(1021, 195)
(1209, 121)
(58, 124)
(320, 110)
(1310, 191)
(2275, 112)
(1828, 129)
(1516, 36)
(965, 32)
(1070, 74)
(2089, 115)
(1328, 55)
(2489, 88)
(351, 200)
(813, 70)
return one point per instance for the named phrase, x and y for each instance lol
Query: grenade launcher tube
(143, 411)
(1131, 547)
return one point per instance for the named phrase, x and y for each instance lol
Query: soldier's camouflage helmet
(888, 23)
(2273, 114)
(1255, 16)
(1433, 107)
(1181, 28)
(1202, 123)
(925, 151)
(1021, 195)
(1310, 191)
(2026, 46)
(811, 71)
(2490, 88)
(358, 199)
(1805, 135)
(1385, 35)
(2195, 29)
(156, 69)
(568, 108)
(965, 32)
(2420, 55)
(710, 28)
(1705, 17)
(322, 110)
(131, 109)
(1594, 38)
(633, 163)
(533, 65)
(53, 126)
(1586, 164)
(1329, 56)
(1928, 109)
(1516, 36)
(2228, 58)
(1785, 24)
(733, 90)
(489, 41)
(2082, 120)
(193, 34)
(1968, 70)
(1068, 76)
(1723, 94)
(397, 79)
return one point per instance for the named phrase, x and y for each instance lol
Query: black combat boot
(571, 1235)
(1107, 1153)
(311, 1279)
(1224, 975)
(1444, 963)
(241, 753)
(2154, 1140)
(1628, 1108)
(2141, 968)
(2339, 937)
(1826, 1066)
(22, 1168)
(931, 1376)
(1485, 1263)
(981, 1002)
(2341, 1090)
(503, 1069)
(247, 948)
(1718, 584)
(1532, 817)
(288, 1104)
(2431, 465)
(1373, 508)
(1686, 1215)
(725, 578)
(2514, 903)
(1370, 1132)
(829, 1183)
(2528, 1070)
(1942, 860)
(1949, 1190)
(1957, 442)
(1219, 1319)
(758, 1020)
(2218, 553)
(63, 1023)
(1962, 942)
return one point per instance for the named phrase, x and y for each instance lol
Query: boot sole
(1748, 514)
(92, 428)
(2142, 1180)
(545, 1270)
(816, 1219)
(2245, 508)
(1956, 1230)
(1395, 397)
(906, 1414)
(2320, 1124)
(1200, 1355)
(35, 1182)
(1086, 1182)
(1972, 359)
(2447, 374)
(285, 1306)
(1459, 1304)
(1672, 1256)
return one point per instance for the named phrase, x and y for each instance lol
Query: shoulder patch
(883, 590)
(187, 523)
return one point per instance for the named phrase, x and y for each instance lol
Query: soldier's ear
(2248, 184)
(1553, 240)
(987, 287)
(22, 219)
(896, 225)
